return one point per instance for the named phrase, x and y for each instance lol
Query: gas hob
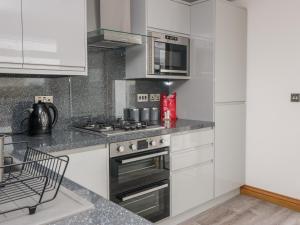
(117, 127)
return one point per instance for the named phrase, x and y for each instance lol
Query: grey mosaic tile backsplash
(103, 92)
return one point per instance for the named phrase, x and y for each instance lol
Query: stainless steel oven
(168, 55)
(139, 176)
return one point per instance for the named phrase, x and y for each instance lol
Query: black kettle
(40, 120)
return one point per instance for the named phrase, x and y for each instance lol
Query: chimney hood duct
(109, 24)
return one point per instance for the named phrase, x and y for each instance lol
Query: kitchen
(149, 111)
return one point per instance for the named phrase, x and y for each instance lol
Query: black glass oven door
(135, 170)
(170, 59)
(151, 202)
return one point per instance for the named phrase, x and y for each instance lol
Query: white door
(89, 168)
(196, 96)
(169, 15)
(54, 34)
(10, 34)
(230, 53)
(191, 187)
(229, 147)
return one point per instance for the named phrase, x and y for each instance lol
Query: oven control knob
(133, 147)
(121, 148)
(153, 143)
(163, 141)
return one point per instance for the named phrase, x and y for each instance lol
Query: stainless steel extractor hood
(109, 24)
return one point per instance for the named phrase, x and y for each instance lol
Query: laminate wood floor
(244, 210)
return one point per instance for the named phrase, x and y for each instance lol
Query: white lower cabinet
(192, 139)
(229, 147)
(192, 169)
(89, 168)
(191, 187)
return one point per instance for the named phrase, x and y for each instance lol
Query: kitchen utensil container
(134, 115)
(145, 115)
(154, 116)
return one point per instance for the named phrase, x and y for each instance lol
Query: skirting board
(277, 199)
(202, 208)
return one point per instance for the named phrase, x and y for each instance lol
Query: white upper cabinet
(203, 19)
(230, 53)
(54, 35)
(226, 25)
(10, 34)
(169, 15)
(43, 37)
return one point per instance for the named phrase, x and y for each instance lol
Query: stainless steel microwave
(168, 55)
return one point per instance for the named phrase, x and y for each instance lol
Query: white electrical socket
(154, 97)
(142, 98)
(46, 99)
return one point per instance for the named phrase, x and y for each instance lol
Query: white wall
(273, 122)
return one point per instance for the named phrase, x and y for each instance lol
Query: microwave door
(170, 59)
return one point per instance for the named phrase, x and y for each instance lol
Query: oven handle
(173, 71)
(125, 161)
(144, 192)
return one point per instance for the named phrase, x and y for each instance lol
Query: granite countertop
(59, 140)
(69, 138)
(104, 213)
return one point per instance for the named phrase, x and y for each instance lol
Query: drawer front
(194, 157)
(192, 139)
(191, 187)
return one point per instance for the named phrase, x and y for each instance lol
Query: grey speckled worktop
(104, 213)
(69, 138)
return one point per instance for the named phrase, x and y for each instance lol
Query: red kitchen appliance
(168, 106)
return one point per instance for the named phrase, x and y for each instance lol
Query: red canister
(168, 103)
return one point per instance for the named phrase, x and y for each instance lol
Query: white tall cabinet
(218, 85)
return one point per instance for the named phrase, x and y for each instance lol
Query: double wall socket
(295, 97)
(142, 98)
(47, 99)
(154, 97)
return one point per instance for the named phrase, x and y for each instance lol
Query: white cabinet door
(192, 157)
(54, 34)
(10, 34)
(229, 147)
(203, 19)
(201, 85)
(89, 168)
(120, 19)
(230, 53)
(188, 140)
(191, 187)
(169, 15)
